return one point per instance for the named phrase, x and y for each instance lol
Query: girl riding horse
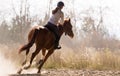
(56, 18)
(44, 39)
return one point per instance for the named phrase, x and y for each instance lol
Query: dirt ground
(68, 72)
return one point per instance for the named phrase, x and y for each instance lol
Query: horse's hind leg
(43, 56)
(43, 53)
(20, 70)
(46, 57)
(32, 57)
(27, 51)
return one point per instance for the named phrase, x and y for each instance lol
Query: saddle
(53, 30)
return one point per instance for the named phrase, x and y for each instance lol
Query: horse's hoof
(19, 71)
(27, 67)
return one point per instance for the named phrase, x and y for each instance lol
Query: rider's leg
(57, 39)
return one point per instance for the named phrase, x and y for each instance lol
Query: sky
(39, 7)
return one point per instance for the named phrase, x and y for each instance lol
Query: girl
(56, 18)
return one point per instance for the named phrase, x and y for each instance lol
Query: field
(69, 72)
(88, 62)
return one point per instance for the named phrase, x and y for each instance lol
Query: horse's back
(44, 37)
(43, 30)
(32, 31)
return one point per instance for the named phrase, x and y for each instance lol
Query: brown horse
(44, 40)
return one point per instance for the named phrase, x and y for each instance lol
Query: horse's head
(68, 28)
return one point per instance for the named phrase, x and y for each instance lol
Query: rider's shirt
(56, 18)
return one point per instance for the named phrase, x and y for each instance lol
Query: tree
(21, 22)
(93, 30)
(4, 32)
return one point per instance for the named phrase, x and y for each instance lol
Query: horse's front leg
(44, 60)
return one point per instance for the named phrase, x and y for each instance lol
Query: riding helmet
(60, 3)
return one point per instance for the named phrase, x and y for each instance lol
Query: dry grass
(104, 59)
(87, 58)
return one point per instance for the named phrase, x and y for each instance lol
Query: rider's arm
(62, 19)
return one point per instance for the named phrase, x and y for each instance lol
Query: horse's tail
(30, 43)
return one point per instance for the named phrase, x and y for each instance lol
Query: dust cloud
(6, 66)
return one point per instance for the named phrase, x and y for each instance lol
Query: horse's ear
(69, 19)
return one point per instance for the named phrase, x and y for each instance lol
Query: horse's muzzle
(72, 35)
